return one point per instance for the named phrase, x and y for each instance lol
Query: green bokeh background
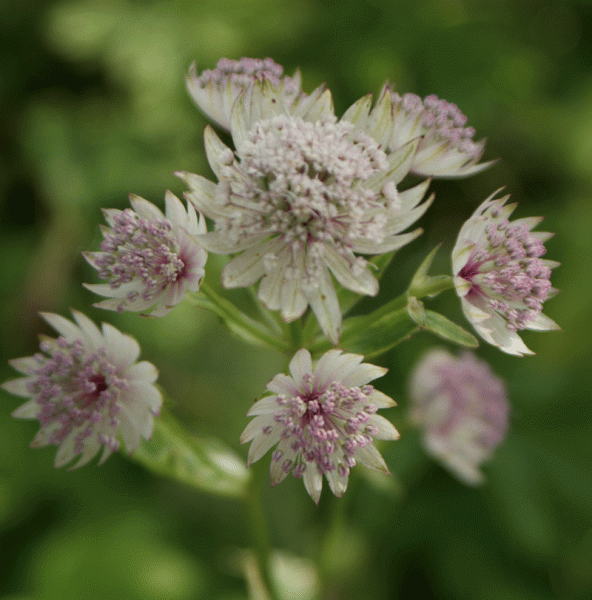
(93, 106)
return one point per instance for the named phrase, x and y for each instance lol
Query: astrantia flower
(215, 91)
(150, 259)
(462, 408)
(303, 196)
(323, 421)
(500, 276)
(446, 148)
(87, 390)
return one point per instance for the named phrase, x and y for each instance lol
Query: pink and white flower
(87, 390)
(500, 276)
(215, 90)
(151, 260)
(303, 196)
(462, 409)
(446, 147)
(323, 421)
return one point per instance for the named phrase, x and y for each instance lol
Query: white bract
(500, 277)
(462, 409)
(151, 260)
(303, 196)
(323, 421)
(87, 390)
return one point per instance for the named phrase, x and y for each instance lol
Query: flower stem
(258, 526)
(243, 326)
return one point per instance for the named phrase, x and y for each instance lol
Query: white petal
(122, 350)
(64, 327)
(362, 283)
(313, 482)
(337, 483)
(386, 430)
(301, 365)
(143, 371)
(284, 385)
(362, 375)
(543, 323)
(28, 410)
(262, 443)
(369, 456)
(247, 268)
(92, 333)
(324, 303)
(26, 364)
(145, 209)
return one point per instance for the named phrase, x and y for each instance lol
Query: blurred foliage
(93, 107)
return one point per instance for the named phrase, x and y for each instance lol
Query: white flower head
(462, 409)
(446, 147)
(150, 260)
(215, 90)
(323, 421)
(87, 390)
(304, 195)
(500, 276)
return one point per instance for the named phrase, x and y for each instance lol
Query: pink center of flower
(326, 427)
(136, 248)
(77, 392)
(506, 272)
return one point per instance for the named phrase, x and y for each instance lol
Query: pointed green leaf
(449, 331)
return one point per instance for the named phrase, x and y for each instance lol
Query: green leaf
(438, 324)
(449, 331)
(205, 464)
(372, 334)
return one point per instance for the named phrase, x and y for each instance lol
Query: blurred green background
(93, 106)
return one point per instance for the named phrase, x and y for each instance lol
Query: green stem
(242, 325)
(258, 526)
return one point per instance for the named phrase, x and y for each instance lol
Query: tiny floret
(150, 260)
(322, 421)
(446, 147)
(215, 90)
(87, 391)
(462, 410)
(303, 197)
(500, 276)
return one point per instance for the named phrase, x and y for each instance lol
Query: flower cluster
(87, 390)
(323, 421)
(462, 409)
(302, 203)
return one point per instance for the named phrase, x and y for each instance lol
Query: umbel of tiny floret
(215, 91)
(322, 420)
(500, 275)
(87, 391)
(462, 410)
(150, 260)
(303, 196)
(446, 147)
